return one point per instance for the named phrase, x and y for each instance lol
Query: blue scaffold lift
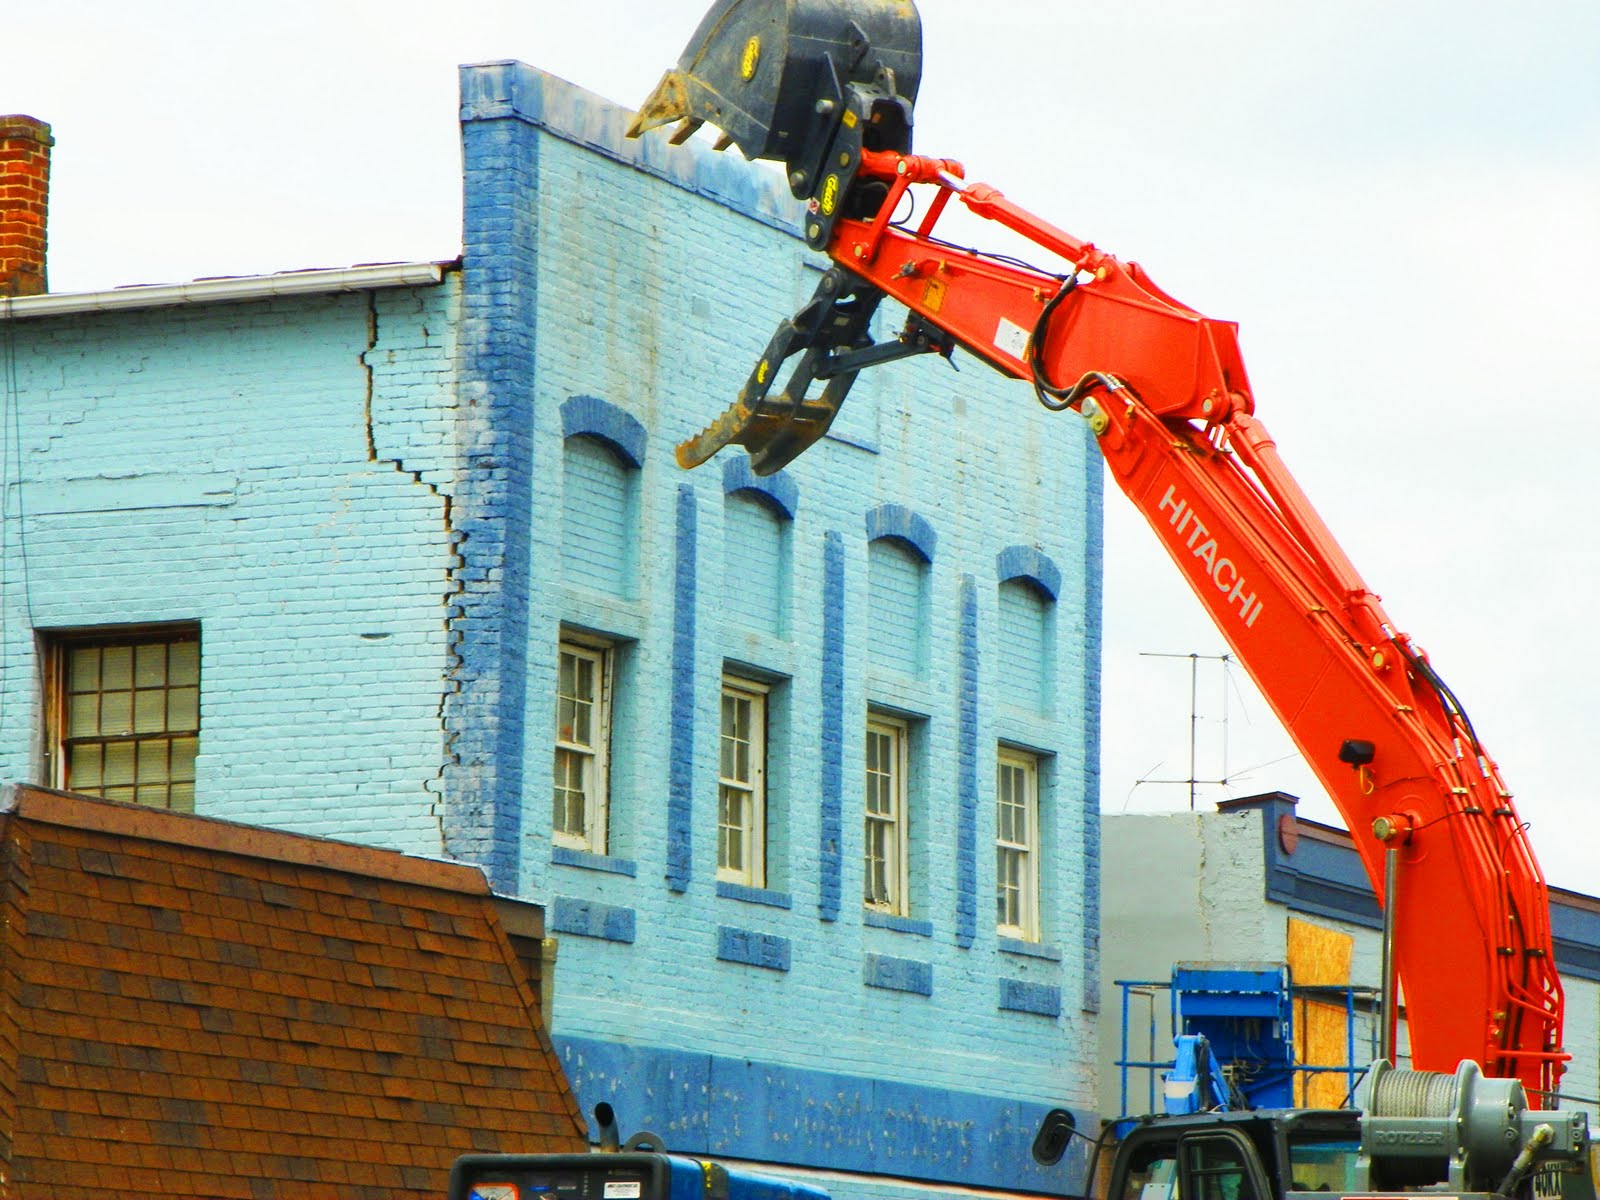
(1233, 1037)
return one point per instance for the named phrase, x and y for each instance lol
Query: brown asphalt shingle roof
(194, 1008)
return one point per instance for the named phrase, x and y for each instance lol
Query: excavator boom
(827, 87)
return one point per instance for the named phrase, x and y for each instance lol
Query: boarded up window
(1320, 957)
(897, 590)
(755, 573)
(597, 535)
(1025, 644)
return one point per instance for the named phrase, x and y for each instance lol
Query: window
(1217, 1169)
(124, 714)
(1016, 841)
(742, 803)
(583, 734)
(886, 885)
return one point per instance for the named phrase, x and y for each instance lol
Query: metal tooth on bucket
(767, 72)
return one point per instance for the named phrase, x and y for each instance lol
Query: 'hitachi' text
(1204, 547)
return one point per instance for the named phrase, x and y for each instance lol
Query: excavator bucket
(811, 84)
(772, 75)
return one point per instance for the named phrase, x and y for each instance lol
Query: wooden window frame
(57, 647)
(595, 784)
(1024, 851)
(753, 825)
(894, 898)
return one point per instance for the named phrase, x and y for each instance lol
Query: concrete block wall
(263, 468)
(1232, 885)
(781, 1024)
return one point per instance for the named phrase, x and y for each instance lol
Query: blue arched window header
(594, 417)
(1028, 562)
(782, 491)
(896, 520)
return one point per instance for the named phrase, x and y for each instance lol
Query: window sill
(882, 920)
(754, 895)
(565, 856)
(1011, 945)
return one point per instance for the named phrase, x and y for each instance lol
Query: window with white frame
(583, 734)
(887, 881)
(742, 784)
(1016, 841)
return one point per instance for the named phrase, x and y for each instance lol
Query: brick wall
(24, 203)
(906, 1047)
(270, 470)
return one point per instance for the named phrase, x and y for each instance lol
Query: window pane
(83, 767)
(83, 715)
(83, 670)
(184, 751)
(183, 708)
(183, 664)
(150, 665)
(116, 668)
(149, 711)
(119, 763)
(151, 762)
(181, 797)
(116, 713)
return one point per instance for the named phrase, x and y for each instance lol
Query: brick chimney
(24, 201)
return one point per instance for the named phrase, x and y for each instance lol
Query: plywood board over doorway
(1319, 957)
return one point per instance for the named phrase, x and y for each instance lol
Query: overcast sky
(1398, 201)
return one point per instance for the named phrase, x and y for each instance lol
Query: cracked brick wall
(274, 470)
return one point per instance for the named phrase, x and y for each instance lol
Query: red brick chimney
(24, 201)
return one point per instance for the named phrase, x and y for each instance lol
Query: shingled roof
(196, 1008)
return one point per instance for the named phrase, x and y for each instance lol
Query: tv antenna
(1194, 718)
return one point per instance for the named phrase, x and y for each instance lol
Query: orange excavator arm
(1165, 392)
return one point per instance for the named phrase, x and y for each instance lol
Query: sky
(1397, 200)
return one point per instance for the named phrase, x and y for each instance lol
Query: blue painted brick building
(803, 768)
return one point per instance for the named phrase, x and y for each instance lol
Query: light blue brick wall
(270, 469)
(662, 274)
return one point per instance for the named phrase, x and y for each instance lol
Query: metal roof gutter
(218, 291)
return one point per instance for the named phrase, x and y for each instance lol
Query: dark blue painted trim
(779, 489)
(1043, 950)
(565, 856)
(898, 521)
(1320, 877)
(882, 920)
(680, 747)
(591, 416)
(591, 919)
(830, 861)
(762, 1111)
(765, 950)
(898, 974)
(1325, 877)
(754, 895)
(1575, 929)
(1025, 996)
(1032, 564)
(517, 91)
(967, 769)
(1088, 801)
(492, 501)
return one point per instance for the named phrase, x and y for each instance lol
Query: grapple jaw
(777, 76)
(811, 84)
